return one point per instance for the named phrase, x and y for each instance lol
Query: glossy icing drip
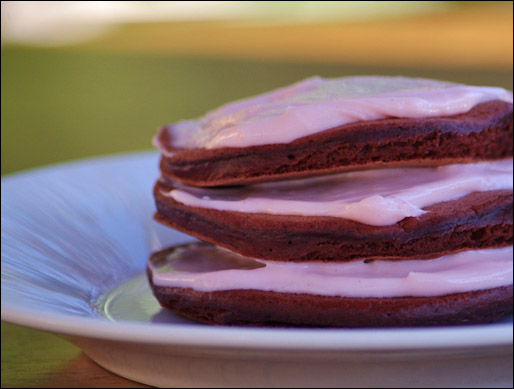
(213, 269)
(374, 197)
(317, 104)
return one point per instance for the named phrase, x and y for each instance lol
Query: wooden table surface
(36, 359)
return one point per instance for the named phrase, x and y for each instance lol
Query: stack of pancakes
(351, 202)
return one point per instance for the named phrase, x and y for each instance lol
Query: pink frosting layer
(317, 104)
(214, 269)
(374, 197)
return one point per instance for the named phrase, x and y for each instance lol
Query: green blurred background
(109, 93)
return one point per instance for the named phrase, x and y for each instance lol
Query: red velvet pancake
(483, 133)
(478, 220)
(258, 307)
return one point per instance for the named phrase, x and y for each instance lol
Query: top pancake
(363, 132)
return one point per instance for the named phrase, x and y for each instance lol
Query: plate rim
(341, 339)
(100, 158)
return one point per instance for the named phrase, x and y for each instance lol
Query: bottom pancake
(266, 307)
(254, 307)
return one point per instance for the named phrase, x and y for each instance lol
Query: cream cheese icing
(317, 104)
(210, 269)
(375, 197)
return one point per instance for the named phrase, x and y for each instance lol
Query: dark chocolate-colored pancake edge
(265, 308)
(483, 133)
(478, 220)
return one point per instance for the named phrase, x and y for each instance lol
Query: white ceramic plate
(75, 239)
